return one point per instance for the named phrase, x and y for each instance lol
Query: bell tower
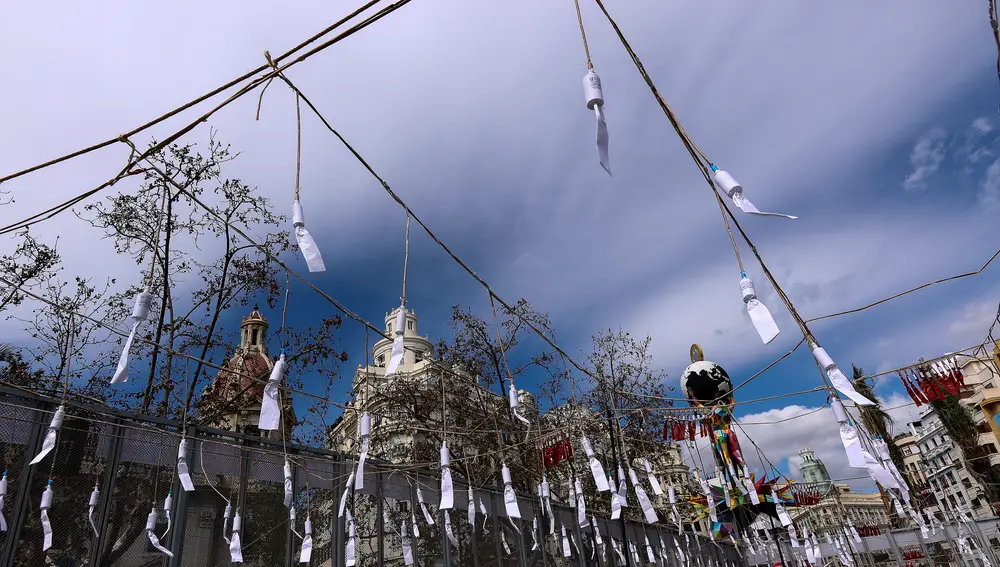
(253, 333)
(813, 471)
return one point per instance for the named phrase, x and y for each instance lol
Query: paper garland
(307, 244)
(270, 412)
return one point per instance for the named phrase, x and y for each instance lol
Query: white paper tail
(121, 371)
(602, 139)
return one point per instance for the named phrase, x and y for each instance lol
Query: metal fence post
(501, 560)
(337, 541)
(380, 520)
(524, 543)
(23, 500)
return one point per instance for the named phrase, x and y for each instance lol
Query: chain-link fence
(131, 463)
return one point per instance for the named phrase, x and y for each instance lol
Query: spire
(253, 332)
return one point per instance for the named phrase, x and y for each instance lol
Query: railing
(132, 459)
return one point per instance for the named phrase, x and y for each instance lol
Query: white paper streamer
(596, 469)
(472, 508)
(182, 467)
(512, 397)
(616, 503)
(349, 552)
(854, 531)
(509, 496)
(653, 482)
(482, 510)
(305, 553)
(649, 550)
(314, 260)
(407, 545)
(140, 311)
(644, 503)
(622, 487)
(878, 472)
(565, 541)
(366, 439)
(423, 508)
(635, 553)
(761, 318)
(49, 442)
(94, 499)
(581, 504)
(734, 190)
(3, 497)
(343, 497)
(270, 413)
(534, 533)
(44, 513)
(503, 542)
(595, 101)
(751, 489)
(396, 355)
(447, 487)
(448, 531)
(288, 484)
(840, 382)
(155, 541)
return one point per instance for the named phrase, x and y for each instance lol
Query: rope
(406, 260)
(583, 34)
(298, 143)
(996, 32)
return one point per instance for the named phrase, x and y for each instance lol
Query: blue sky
(473, 113)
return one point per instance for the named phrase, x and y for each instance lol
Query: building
(813, 471)
(838, 501)
(941, 464)
(232, 401)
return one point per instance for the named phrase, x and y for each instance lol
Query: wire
(127, 170)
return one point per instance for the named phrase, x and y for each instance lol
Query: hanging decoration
(182, 466)
(596, 469)
(270, 411)
(396, 354)
(708, 388)
(557, 452)
(509, 496)
(643, 498)
(837, 378)
(347, 490)
(848, 434)
(91, 506)
(350, 558)
(622, 487)
(44, 514)
(447, 529)
(155, 541)
(305, 552)
(760, 316)
(565, 541)
(49, 443)
(140, 312)
(932, 380)
(616, 502)
(653, 482)
(472, 509)
(366, 439)
(423, 508)
(407, 544)
(734, 191)
(3, 498)
(514, 402)
(447, 486)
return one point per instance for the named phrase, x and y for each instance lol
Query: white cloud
(989, 188)
(982, 125)
(926, 157)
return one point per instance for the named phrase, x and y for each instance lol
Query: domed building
(232, 402)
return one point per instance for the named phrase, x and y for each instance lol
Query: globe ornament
(705, 381)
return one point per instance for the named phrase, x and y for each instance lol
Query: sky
(876, 124)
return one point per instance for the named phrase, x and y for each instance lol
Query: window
(253, 337)
(388, 327)
(961, 499)
(419, 355)
(380, 361)
(409, 325)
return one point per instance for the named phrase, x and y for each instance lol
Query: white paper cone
(343, 497)
(852, 445)
(288, 485)
(359, 475)
(472, 508)
(649, 550)
(270, 413)
(510, 502)
(735, 192)
(447, 486)
(349, 551)
(503, 542)
(616, 504)
(448, 531)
